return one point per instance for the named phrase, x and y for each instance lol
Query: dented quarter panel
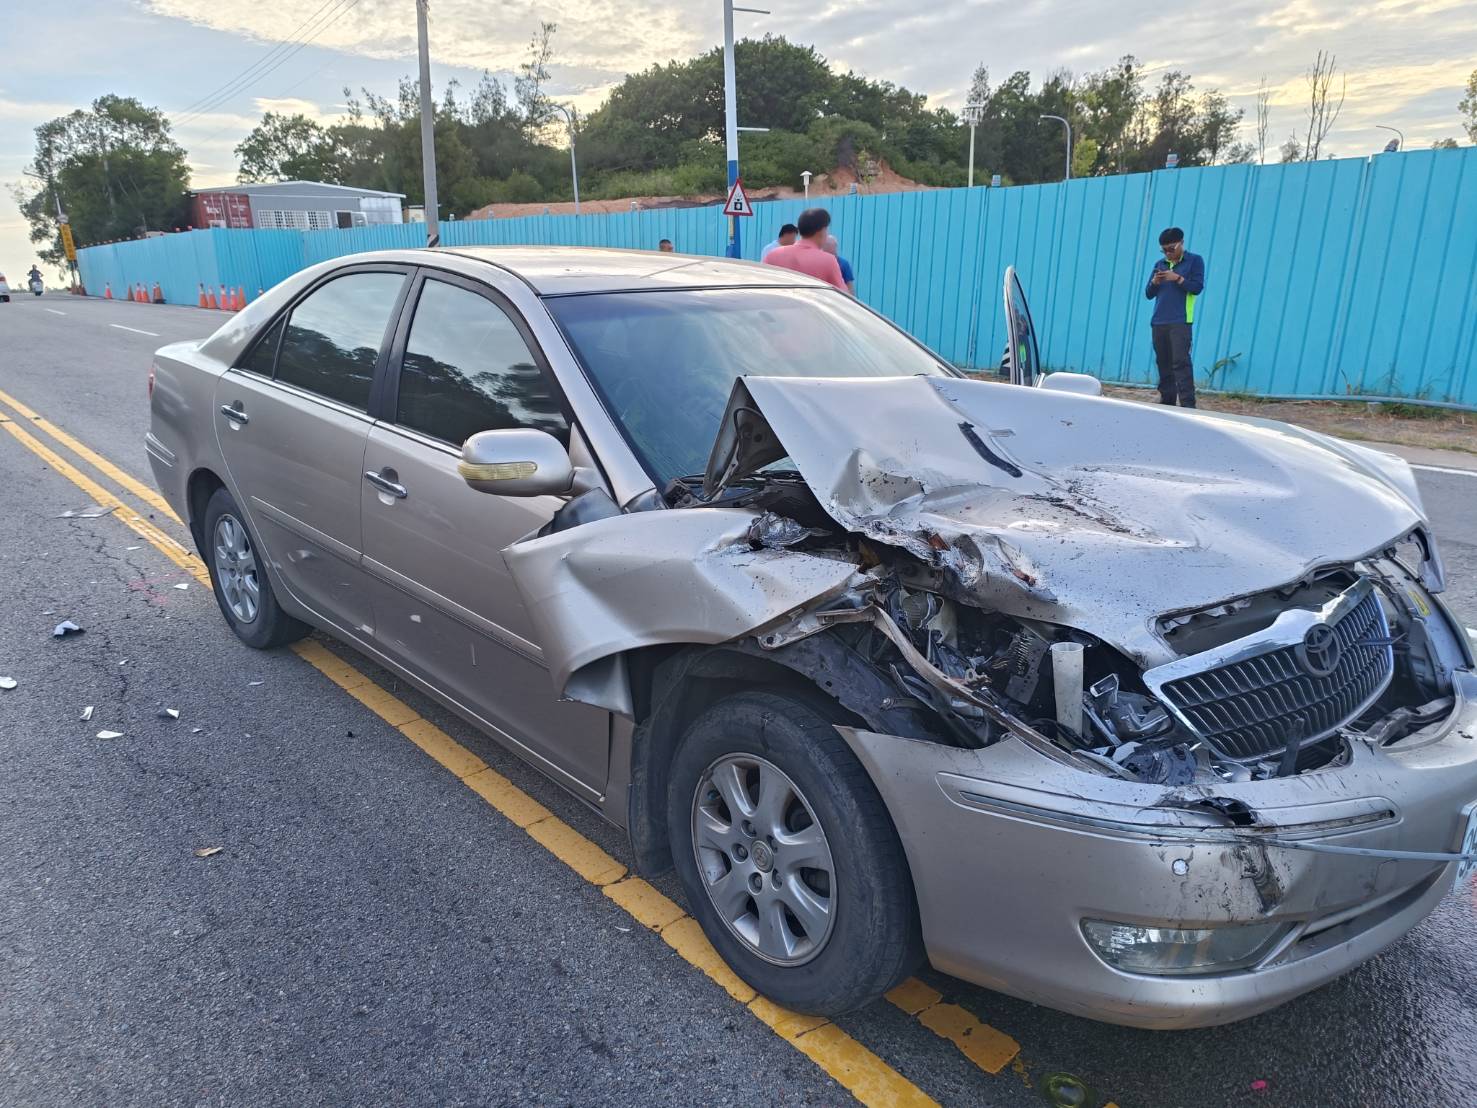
(1094, 513)
(609, 586)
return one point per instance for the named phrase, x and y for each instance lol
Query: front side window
(467, 369)
(334, 336)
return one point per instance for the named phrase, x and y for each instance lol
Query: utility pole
(574, 169)
(730, 115)
(973, 113)
(730, 120)
(1068, 126)
(428, 126)
(805, 176)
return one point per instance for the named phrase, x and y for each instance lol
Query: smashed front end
(1167, 714)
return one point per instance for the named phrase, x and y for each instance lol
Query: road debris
(110, 734)
(196, 730)
(64, 628)
(91, 511)
(86, 714)
(7, 683)
(253, 682)
(207, 851)
(182, 586)
(169, 713)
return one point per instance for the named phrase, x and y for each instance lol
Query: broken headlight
(1179, 950)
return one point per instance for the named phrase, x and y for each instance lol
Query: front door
(292, 421)
(447, 607)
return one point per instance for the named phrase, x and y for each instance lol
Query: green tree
(1468, 108)
(1445, 144)
(117, 169)
(289, 148)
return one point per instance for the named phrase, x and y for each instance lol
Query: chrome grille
(1248, 708)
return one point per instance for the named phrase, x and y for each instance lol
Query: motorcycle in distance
(36, 284)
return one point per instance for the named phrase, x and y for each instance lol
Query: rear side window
(334, 336)
(264, 353)
(467, 369)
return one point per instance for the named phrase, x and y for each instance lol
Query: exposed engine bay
(1268, 685)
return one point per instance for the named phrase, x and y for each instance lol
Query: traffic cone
(235, 302)
(210, 298)
(202, 295)
(107, 290)
(158, 294)
(143, 297)
(224, 303)
(240, 297)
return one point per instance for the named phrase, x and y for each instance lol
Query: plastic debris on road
(253, 682)
(207, 851)
(169, 713)
(7, 683)
(110, 734)
(91, 511)
(182, 586)
(86, 714)
(1259, 1085)
(64, 628)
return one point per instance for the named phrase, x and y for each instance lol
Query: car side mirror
(517, 462)
(1083, 384)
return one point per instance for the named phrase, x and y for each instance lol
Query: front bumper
(1010, 852)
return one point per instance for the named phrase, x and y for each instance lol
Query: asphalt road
(372, 930)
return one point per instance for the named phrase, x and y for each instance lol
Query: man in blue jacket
(1176, 283)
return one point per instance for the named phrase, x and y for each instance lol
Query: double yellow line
(856, 1068)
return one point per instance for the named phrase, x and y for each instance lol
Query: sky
(1406, 60)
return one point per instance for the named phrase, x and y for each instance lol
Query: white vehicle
(4, 290)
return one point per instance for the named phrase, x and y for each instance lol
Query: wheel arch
(199, 489)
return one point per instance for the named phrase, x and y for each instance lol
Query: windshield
(665, 362)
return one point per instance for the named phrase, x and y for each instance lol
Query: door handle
(234, 413)
(385, 485)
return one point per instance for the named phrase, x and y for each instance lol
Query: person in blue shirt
(847, 273)
(1174, 286)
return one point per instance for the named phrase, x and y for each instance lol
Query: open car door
(1022, 360)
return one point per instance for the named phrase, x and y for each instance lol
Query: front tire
(238, 574)
(788, 857)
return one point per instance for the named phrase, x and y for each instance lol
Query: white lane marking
(1446, 469)
(53, 311)
(135, 330)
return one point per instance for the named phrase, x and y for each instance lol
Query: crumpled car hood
(1099, 514)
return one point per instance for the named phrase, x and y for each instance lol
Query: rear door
(447, 608)
(292, 420)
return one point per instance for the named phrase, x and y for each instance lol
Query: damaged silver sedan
(1146, 715)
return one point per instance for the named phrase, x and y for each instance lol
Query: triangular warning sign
(738, 201)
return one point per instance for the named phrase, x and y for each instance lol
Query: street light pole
(1398, 134)
(973, 113)
(1068, 126)
(428, 126)
(574, 169)
(805, 176)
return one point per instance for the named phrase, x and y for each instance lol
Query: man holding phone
(1177, 280)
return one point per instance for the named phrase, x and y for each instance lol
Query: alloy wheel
(236, 569)
(764, 859)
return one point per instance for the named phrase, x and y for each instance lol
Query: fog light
(1170, 950)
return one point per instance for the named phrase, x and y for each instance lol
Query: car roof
(563, 270)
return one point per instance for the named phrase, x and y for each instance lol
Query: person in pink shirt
(808, 254)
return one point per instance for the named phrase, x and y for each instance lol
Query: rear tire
(238, 574)
(797, 876)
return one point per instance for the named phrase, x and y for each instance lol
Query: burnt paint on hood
(1095, 513)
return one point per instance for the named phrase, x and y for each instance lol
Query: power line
(268, 63)
(188, 108)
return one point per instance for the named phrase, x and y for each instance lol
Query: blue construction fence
(1349, 277)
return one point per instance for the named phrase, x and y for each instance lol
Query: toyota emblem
(1320, 651)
